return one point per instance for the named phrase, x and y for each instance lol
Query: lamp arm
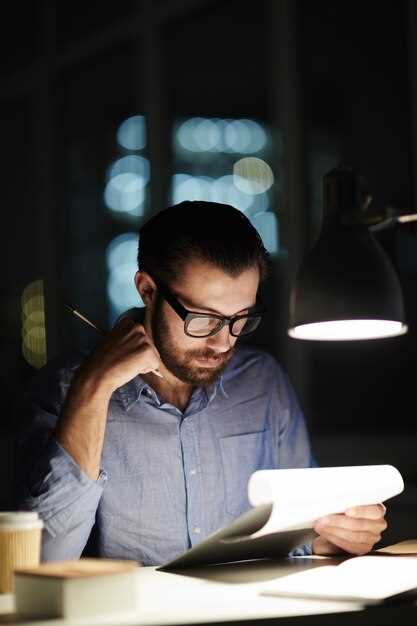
(395, 218)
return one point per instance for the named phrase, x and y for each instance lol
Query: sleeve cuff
(64, 491)
(304, 550)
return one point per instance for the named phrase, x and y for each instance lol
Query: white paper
(286, 505)
(361, 578)
(301, 496)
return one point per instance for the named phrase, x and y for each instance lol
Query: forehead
(204, 284)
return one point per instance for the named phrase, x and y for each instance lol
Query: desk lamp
(346, 287)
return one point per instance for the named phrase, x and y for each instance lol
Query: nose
(221, 341)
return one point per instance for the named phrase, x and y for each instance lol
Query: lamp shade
(346, 287)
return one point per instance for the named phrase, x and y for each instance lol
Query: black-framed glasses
(202, 325)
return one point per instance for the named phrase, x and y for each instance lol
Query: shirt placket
(192, 478)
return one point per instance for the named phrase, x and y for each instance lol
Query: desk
(230, 594)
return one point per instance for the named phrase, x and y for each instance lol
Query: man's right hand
(125, 352)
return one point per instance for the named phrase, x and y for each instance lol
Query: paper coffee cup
(20, 544)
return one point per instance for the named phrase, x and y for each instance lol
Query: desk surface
(226, 593)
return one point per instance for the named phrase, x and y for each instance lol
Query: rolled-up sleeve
(48, 480)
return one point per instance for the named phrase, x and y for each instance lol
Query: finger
(352, 547)
(125, 329)
(324, 548)
(351, 523)
(125, 322)
(140, 329)
(371, 511)
(359, 536)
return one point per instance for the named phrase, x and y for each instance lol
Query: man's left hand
(355, 531)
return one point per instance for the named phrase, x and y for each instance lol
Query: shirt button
(197, 530)
(193, 472)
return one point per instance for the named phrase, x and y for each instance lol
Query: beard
(179, 362)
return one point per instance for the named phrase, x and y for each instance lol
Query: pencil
(98, 329)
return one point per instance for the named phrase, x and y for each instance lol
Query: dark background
(331, 81)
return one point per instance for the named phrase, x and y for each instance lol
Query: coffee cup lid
(19, 518)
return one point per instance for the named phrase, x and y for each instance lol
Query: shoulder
(252, 366)
(45, 393)
(54, 378)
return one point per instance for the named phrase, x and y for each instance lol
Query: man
(157, 464)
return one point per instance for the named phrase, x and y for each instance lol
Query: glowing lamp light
(348, 330)
(346, 288)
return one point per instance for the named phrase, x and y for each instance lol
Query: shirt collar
(134, 391)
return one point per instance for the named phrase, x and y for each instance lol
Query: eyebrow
(203, 309)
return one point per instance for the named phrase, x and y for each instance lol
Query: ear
(145, 287)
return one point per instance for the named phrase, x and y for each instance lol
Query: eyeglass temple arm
(177, 306)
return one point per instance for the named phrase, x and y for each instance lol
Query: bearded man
(149, 442)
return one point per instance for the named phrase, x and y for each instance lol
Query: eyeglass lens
(204, 326)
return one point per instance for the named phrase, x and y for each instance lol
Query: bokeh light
(186, 187)
(125, 194)
(238, 137)
(220, 162)
(33, 324)
(252, 175)
(199, 134)
(222, 189)
(225, 191)
(131, 133)
(121, 257)
(266, 223)
(260, 203)
(258, 137)
(126, 182)
(130, 164)
(186, 134)
(206, 135)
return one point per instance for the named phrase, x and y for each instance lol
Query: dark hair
(213, 232)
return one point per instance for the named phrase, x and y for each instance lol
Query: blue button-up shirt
(169, 478)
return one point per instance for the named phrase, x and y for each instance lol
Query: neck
(176, 393)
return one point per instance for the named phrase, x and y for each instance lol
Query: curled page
(286, 504)
(301, 496)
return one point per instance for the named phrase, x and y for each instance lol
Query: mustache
(210, 354)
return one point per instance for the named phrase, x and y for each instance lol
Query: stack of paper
(366, 579)
(72, 589)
